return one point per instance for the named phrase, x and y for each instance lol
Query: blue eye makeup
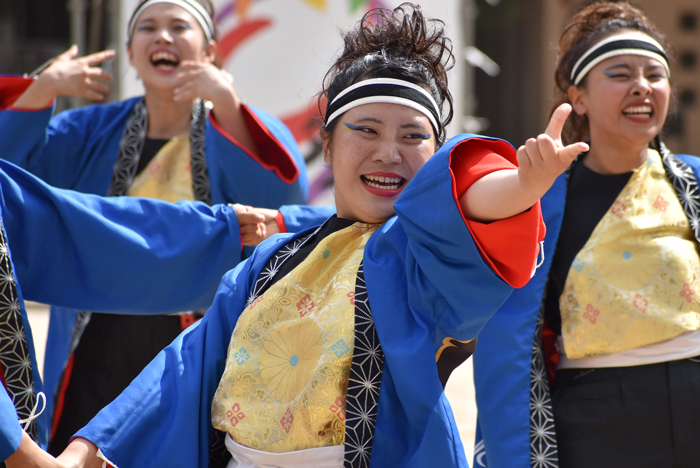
(425, 136)
(611, 74)
(354, 127)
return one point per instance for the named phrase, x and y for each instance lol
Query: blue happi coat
(426, 280)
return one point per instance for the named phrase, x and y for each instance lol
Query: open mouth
(383, 183)
(639, 112)
(164, 60)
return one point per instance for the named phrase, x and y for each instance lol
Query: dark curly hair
(399, 43)
(588, 26)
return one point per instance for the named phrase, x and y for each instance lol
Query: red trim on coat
(279, 219)
(276, 157)
(509, 246)
(11, 88)
(60, 401)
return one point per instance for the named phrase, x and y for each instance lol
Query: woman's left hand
(203, 80)
(541, 160)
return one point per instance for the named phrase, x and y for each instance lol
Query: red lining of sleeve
(276, 157)
(11, 88)
(279, 219)
(509, 246)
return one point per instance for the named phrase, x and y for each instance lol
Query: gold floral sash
(169, 175)
(286, 377)
(636, 280)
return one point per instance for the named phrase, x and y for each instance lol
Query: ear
(130, 52)
(578, 99)
(210, 51)
(326, 147)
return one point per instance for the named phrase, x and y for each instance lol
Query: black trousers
(637, 417)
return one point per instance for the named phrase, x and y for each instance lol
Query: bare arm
(205, 81)
(505, 193)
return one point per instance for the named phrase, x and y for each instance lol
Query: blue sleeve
(163, 418)
(443, 264)
(75, 149)
(274, 178)
(120, 254)
(300, 217)
(10, 430)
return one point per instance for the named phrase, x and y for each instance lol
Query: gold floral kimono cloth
(288, 363)
(635, 282)
(168, 176)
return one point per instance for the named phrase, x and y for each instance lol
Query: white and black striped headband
(622, 44)
(385, 90)
(192, 7)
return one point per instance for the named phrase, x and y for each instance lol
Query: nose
(163, 36)
(388, 153)
(641, 86)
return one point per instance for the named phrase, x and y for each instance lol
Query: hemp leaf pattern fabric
(15, 357)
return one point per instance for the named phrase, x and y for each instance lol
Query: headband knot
(192, 6)
(622, 44)
(385, 90)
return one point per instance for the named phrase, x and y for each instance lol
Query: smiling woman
(189, 138)
(328, 348)
(612, 317)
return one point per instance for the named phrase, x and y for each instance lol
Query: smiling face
(165, 35)
(625, 99)
(375, 150)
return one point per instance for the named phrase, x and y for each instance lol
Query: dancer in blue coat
(595, 362)
(121, 255)
(189, 138)
(331, 348)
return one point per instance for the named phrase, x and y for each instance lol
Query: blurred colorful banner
(278, 52)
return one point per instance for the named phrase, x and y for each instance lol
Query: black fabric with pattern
(15, 358)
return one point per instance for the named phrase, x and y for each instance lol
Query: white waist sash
(322, 457)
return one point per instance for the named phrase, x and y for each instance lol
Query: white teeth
(645, 110)
(384, 187)
(384, 180)
(163, 56)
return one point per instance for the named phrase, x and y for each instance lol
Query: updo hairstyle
(587, 27)
(400, 44)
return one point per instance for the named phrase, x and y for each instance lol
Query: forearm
(39, 95)
(227, 113)
(80, 453)
(495, 196)
(30, 455)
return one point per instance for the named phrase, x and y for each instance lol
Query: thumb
(70, 54)
(557, 121)
(569, 153)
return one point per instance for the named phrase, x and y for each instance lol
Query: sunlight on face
(375, 150)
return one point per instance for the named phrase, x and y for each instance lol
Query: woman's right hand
(69, 76)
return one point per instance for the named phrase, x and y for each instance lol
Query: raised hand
(69, 76)
(202, 80)
(541, 160)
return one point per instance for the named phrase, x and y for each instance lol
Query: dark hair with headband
(396, 44)
(206, 4)
(587, 27)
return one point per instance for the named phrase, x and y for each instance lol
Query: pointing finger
(557, 121)
(99, 57)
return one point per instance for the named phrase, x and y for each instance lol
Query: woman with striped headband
(603, 343)
(188, 138)
(331, 348)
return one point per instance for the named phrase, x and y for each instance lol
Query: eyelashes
(424, 136)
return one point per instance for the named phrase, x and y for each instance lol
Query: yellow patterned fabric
(286, 377)
(169, 175)
(635, 282)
